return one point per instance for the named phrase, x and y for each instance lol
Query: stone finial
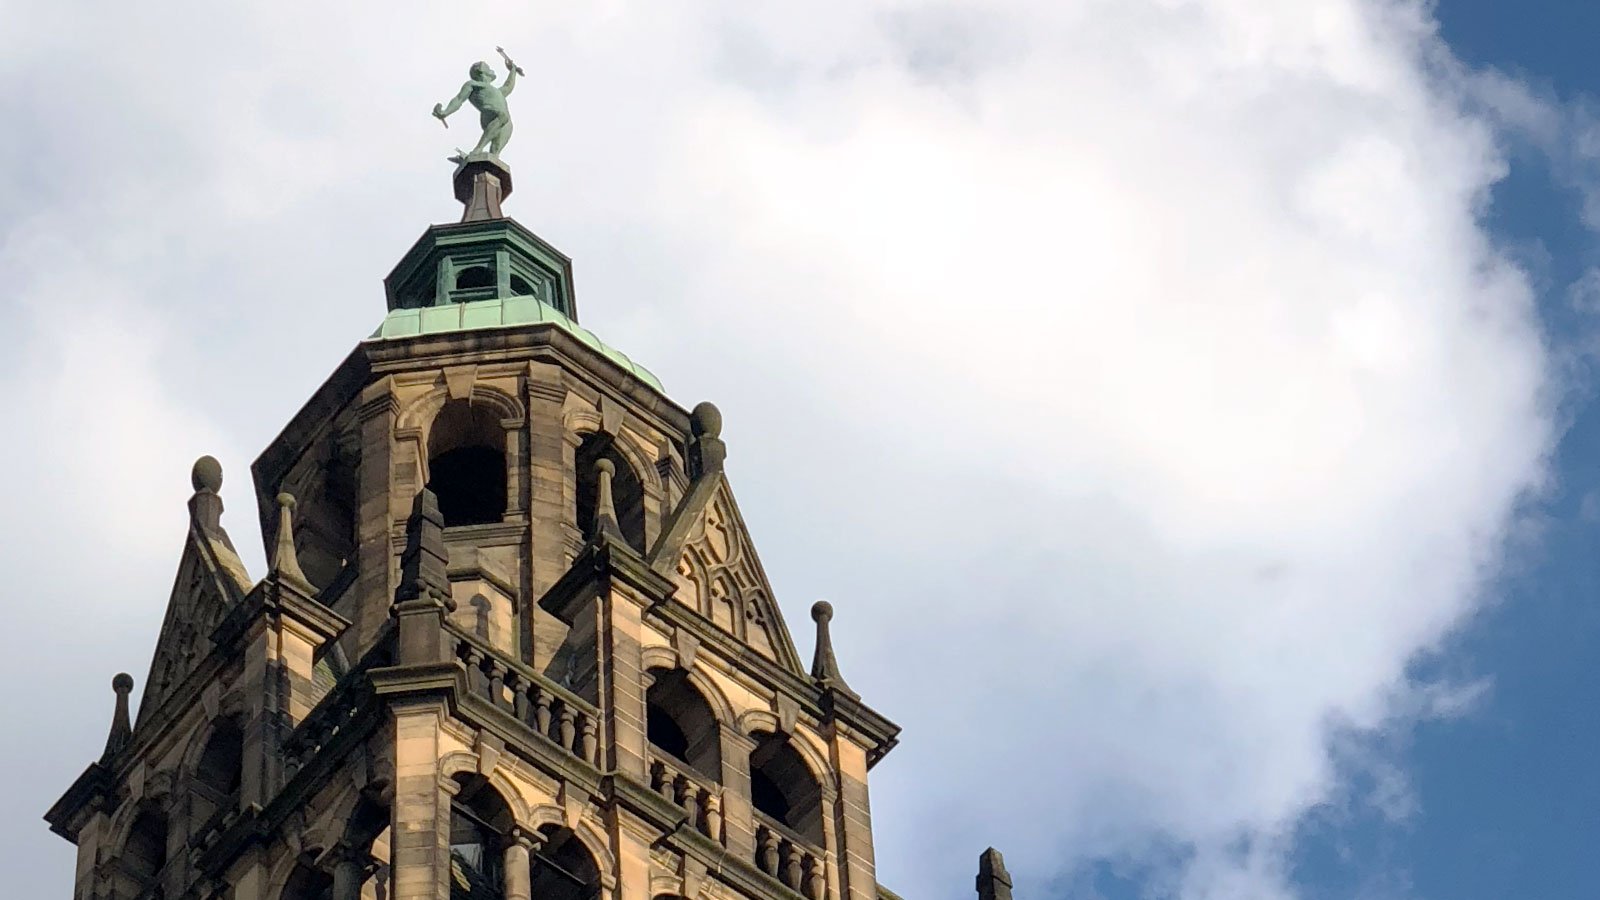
(994, 882)
(285, 562)
(424, 564)
(605, 504)
(205, 507)
(707, 452)
(824, 665)
(121, 721)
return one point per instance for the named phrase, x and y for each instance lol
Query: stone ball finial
(821, 611)
(706, 420)
(606, 467)
(206, 474)
(286, 501)
(122, 683)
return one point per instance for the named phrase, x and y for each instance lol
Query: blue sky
(1220, 375)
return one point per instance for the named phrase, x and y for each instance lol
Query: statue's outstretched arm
(511, 81)
(455, 103)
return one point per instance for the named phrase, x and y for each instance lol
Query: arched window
(467, 464)
(308, 883)
(479, 822)
(145, 853)
(221, 766)
(627, 493)
(520, 286)
(217, 777)
(367, 837)
(680, 723)
(563, 869)
(783, 788)
(475, 277)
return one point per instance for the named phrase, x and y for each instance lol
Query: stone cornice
(83, 799)
(600, 562)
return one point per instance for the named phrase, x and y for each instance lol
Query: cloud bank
(1137, 378)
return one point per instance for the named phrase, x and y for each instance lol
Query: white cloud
(1137, 377)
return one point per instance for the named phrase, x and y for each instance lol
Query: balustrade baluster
(541, 702)
(767, 852)
(791, 866)
(519, 697)
(497, 680)
(569, 727)
(475, 680)
(591, 741)
(689, 799)
(713, 824)
(815, 885)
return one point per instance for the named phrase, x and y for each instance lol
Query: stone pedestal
(481, 182)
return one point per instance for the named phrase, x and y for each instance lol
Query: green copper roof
(499, 313)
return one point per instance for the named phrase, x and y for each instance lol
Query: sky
(1187, 405)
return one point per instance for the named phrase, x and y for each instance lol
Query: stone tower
(514, 640)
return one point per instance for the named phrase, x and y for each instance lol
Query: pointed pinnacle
(121, 727)
(824, 665)
(285, 562)
(605, 505)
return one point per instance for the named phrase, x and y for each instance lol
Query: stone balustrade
(700, 798)
(536, 701)
(791, 859)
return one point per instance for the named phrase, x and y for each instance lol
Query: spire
(285, 564)
(121, 729)
(424, 563)
(708, 452)
(605, 506)
(824, 665)
(994, 882)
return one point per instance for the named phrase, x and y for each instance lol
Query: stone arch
(682, 723)
(297, 877)
(753, 720)
(142, 843)
(422, 410)
(666, 887)
(461, 762)
(548, 815)
(787, 786)
(580, 419)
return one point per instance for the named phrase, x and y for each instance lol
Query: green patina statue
(489, 100)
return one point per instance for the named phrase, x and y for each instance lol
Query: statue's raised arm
(490, 102)
(512, 71)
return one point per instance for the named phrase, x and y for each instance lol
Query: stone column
(857, 864)
(519, 875)
(737, 815)
(420, 823)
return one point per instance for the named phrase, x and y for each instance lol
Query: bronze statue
(490, 101)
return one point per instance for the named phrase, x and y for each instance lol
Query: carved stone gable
(719, 576)
(207, 586)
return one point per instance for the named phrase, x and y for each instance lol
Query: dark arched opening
(627, 492)
(475, 277)
(467, 464)
(144, 854)
(783, 789)
(217, 777)
(563, 869)
(308, 883)
(680, 723)
(479, 823)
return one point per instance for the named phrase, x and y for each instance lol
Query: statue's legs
(496, 132)
(502, 134)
